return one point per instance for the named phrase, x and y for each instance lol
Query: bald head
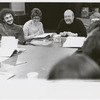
(68, 16)
(68, 12)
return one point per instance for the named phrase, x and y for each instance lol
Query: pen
(21, 63)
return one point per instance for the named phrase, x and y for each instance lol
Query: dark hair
(36, 12)
(91, 46)
(76, 66)
(6, 11)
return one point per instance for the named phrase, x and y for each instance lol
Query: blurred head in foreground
(77, 66)
(93, 28)
(91, 47)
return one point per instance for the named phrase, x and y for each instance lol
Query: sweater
(76, 27)
(12, 30)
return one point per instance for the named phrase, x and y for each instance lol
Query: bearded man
(70, 26)
(8, 27)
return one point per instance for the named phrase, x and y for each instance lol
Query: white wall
(18, 6)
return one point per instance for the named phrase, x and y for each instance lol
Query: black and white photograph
(49, 50)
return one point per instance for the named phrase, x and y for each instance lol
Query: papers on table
(44, 35)
(9, 41)
(4, 71)
(40, 39)
(3, 59)
(74, 42)
(39, 42)
(6, 66)
(20, 49)
(8, 46)
(6, 52)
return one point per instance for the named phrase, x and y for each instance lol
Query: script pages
(40, 39)
(74, 42)
(8, 46)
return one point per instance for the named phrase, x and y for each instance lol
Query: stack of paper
(74, 42)
(44, 35)
(39, 42)
(8, 46)
(3, 59)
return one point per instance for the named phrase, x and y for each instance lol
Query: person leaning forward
(8, 28)
(70, 26)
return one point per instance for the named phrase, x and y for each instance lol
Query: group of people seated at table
(84, 63)
(68, 26)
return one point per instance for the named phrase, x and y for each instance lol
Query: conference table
(38, 59)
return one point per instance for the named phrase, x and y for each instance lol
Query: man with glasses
(33, 27)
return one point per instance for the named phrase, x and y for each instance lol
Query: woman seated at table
(76, 66)
(33, 27)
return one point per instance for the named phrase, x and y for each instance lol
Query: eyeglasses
(37, 18)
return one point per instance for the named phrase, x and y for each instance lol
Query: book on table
(42, 39)
(44, 35)
(40, 42)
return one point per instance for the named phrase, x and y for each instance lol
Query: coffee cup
(57, 38)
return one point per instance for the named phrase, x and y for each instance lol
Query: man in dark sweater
(8, 28)
(70, 26)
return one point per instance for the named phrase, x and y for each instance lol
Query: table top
(37, 59)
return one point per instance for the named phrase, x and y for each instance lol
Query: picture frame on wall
(85, 12)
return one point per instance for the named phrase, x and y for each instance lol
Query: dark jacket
(12, 30)
(76, 27)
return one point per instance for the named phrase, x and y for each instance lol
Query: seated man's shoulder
(62, 20)
(40, 23)
(78, 20)
(1, 24)
(17, 26)
(28, 23)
